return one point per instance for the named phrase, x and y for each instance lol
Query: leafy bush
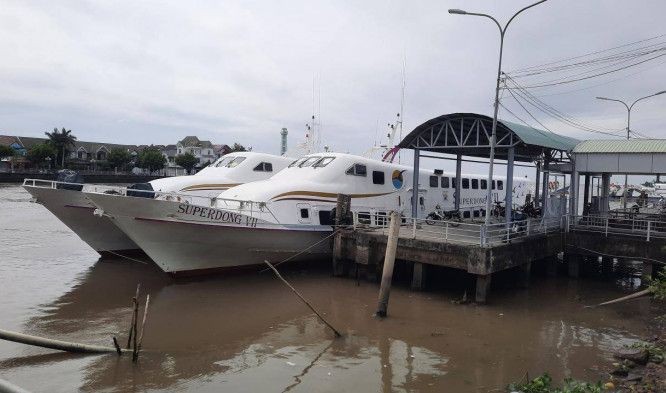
(543, 384)
(657, 286)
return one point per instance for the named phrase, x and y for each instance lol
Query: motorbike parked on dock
(453, 216)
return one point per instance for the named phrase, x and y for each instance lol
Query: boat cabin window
(235, 162)
(494, 184)
(475, 184)
(364, 218)
(445, 182)
(357, 170)
(500, 185)
(297, 162)
(305, 213)
(264, 167)
(454, 182)
(434, 182)
(477, 213)
(466, 214)
(465, 183)
(223, 161)
(323, 162)
(377, 177)
(308, 162)
(484, 184)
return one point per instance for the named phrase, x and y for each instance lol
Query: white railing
(247, 207)
(645, 228)
(466, 231)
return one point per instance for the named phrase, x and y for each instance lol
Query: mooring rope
(618, 256)
(126, 257)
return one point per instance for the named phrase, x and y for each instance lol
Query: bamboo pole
(634, 295)
(389, 261)
(54, 344)
(143, 326)
(277, 273)
(135, 301)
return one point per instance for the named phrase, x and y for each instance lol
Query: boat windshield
(297, 162)
(223, 161)
(308, 162)
(323, 162)
(235, 162)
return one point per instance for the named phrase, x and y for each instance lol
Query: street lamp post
(629, 107)
(493, 136)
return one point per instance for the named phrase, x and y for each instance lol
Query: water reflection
(249, 333)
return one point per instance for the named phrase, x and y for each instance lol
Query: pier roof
(469, 134)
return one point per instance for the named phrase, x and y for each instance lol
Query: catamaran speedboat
(67, 201)
(291, 212)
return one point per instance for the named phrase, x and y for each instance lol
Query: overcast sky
(145, 72)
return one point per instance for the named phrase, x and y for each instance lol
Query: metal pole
(624, 193)
(458, 182)
(508, 189)
(544, 184)
(537, 185)
(415, 185)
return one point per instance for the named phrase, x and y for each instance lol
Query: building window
(357, 170)
(445, 182)
(475, 184)
(484, 184)
(465, 183)
(377, 177)
(500, 185)
(434, 182)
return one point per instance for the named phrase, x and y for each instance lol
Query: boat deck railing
(252, 208)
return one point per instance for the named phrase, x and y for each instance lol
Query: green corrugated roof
(533, 136)
(621, 146)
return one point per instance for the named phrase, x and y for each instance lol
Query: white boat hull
(75, 210)
(212, 239)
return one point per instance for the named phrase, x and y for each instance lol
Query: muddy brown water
(248, 333)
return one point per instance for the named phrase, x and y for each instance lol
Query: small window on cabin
(305, 213)
(466, 213)
(445, 182)
(381, 219)
(484, 184)
(454, 182)
(264, 167)
(377, 177)
(364, 218)
(475, 184)
(477, 213)
(434, 182)
(323, 162)
(235, 162)
(500, 185)
(357, 170)
(465, 183)
(421, 201)
(308, 162)
(494, 184)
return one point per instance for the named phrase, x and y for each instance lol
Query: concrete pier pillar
(338, 262)
(524, 272)
(418, 276)
(573, 265)
(482, 288)
(362, 252)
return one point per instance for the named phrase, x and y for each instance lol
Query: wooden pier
(483, 251)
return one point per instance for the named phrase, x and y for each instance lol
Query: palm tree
(61, 141)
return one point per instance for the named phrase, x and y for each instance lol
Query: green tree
(119, 158)
(6, 151)
(37, 154)
(61, 140)
(238, 147)
(151, 158)
(187, 161)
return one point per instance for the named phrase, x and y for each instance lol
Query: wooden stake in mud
(135, 356)
(277, 273)
(634, 295)
(389, 261)
(54, 344)
(135, 305)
